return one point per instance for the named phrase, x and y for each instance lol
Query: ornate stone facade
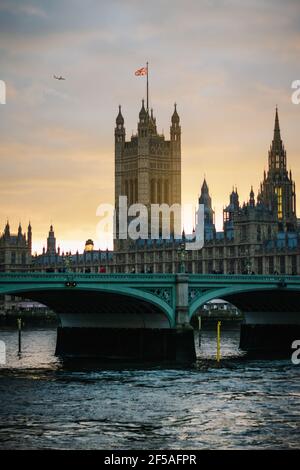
(148, 167)
(15, 250)
(261, 236)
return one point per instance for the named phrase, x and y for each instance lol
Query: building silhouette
(261, 235)
(15, 249)
(278, 190)
(147, 167)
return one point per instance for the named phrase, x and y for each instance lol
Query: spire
(277, 147)
(204, 188)
(51, 241)
(234, 198)
(277, 138)
(276, 128)
(120, 119)
(205, 196)
(143, 112)
(175, 117)
(252, 198)
(20, 230)
(277, 153)
(29, 237)
(7, 230)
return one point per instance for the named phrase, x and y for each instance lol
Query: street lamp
(67, 261)
(182, 257)
(248, 262)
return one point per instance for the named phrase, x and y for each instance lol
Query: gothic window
(258, 233)
(243, 232)
(153, 199)
(13, 257)
(159, 192)
(271, 265)
(294, 265)
(278, 192)
(269, 232)
(282, 264)
(131, 191)
(167, 197)
(136, 190)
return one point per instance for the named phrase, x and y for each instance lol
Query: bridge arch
(249, 298)
(96, 299)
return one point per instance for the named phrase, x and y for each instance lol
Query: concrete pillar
(185, 343)
(182, 300)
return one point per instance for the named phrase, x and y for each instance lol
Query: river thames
(242, 404)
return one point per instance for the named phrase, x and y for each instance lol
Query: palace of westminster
(261, 236)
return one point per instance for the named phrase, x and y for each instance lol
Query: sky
(226, 63)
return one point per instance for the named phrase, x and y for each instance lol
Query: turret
(120, 129)
(252, 198)
(29, 237)
(143, 121)
(7, 231)
(234, 199)
(51, 241)
(20, 235)
(205, 199)
(277, 153)
(175, 129)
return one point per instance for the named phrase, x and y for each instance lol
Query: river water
(241, 404)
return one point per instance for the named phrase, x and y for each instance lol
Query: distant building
(53, 260)
(15, 250)
(260, 236)
(148, 167)
(278, 191)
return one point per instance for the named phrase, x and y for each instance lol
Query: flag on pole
(142, 71)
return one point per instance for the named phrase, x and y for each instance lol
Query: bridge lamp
(181, 256)
(282, 284)
(70, 284)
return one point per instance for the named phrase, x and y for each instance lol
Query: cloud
(226, 63)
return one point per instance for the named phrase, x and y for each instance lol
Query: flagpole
(147, 88)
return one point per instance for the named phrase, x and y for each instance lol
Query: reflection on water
(242, 403)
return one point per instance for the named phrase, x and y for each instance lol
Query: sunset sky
(226, 63)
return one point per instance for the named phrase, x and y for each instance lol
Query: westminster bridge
(147, 316)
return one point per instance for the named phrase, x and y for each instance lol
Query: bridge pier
(124, 344)
(185, 344)
(129, 333)
(269, 331)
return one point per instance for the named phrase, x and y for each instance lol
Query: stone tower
(209, 215)
(147, 167)
(51, 241)
(278, 189)
(29, 237)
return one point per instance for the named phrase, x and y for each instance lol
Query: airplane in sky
(58, 78)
